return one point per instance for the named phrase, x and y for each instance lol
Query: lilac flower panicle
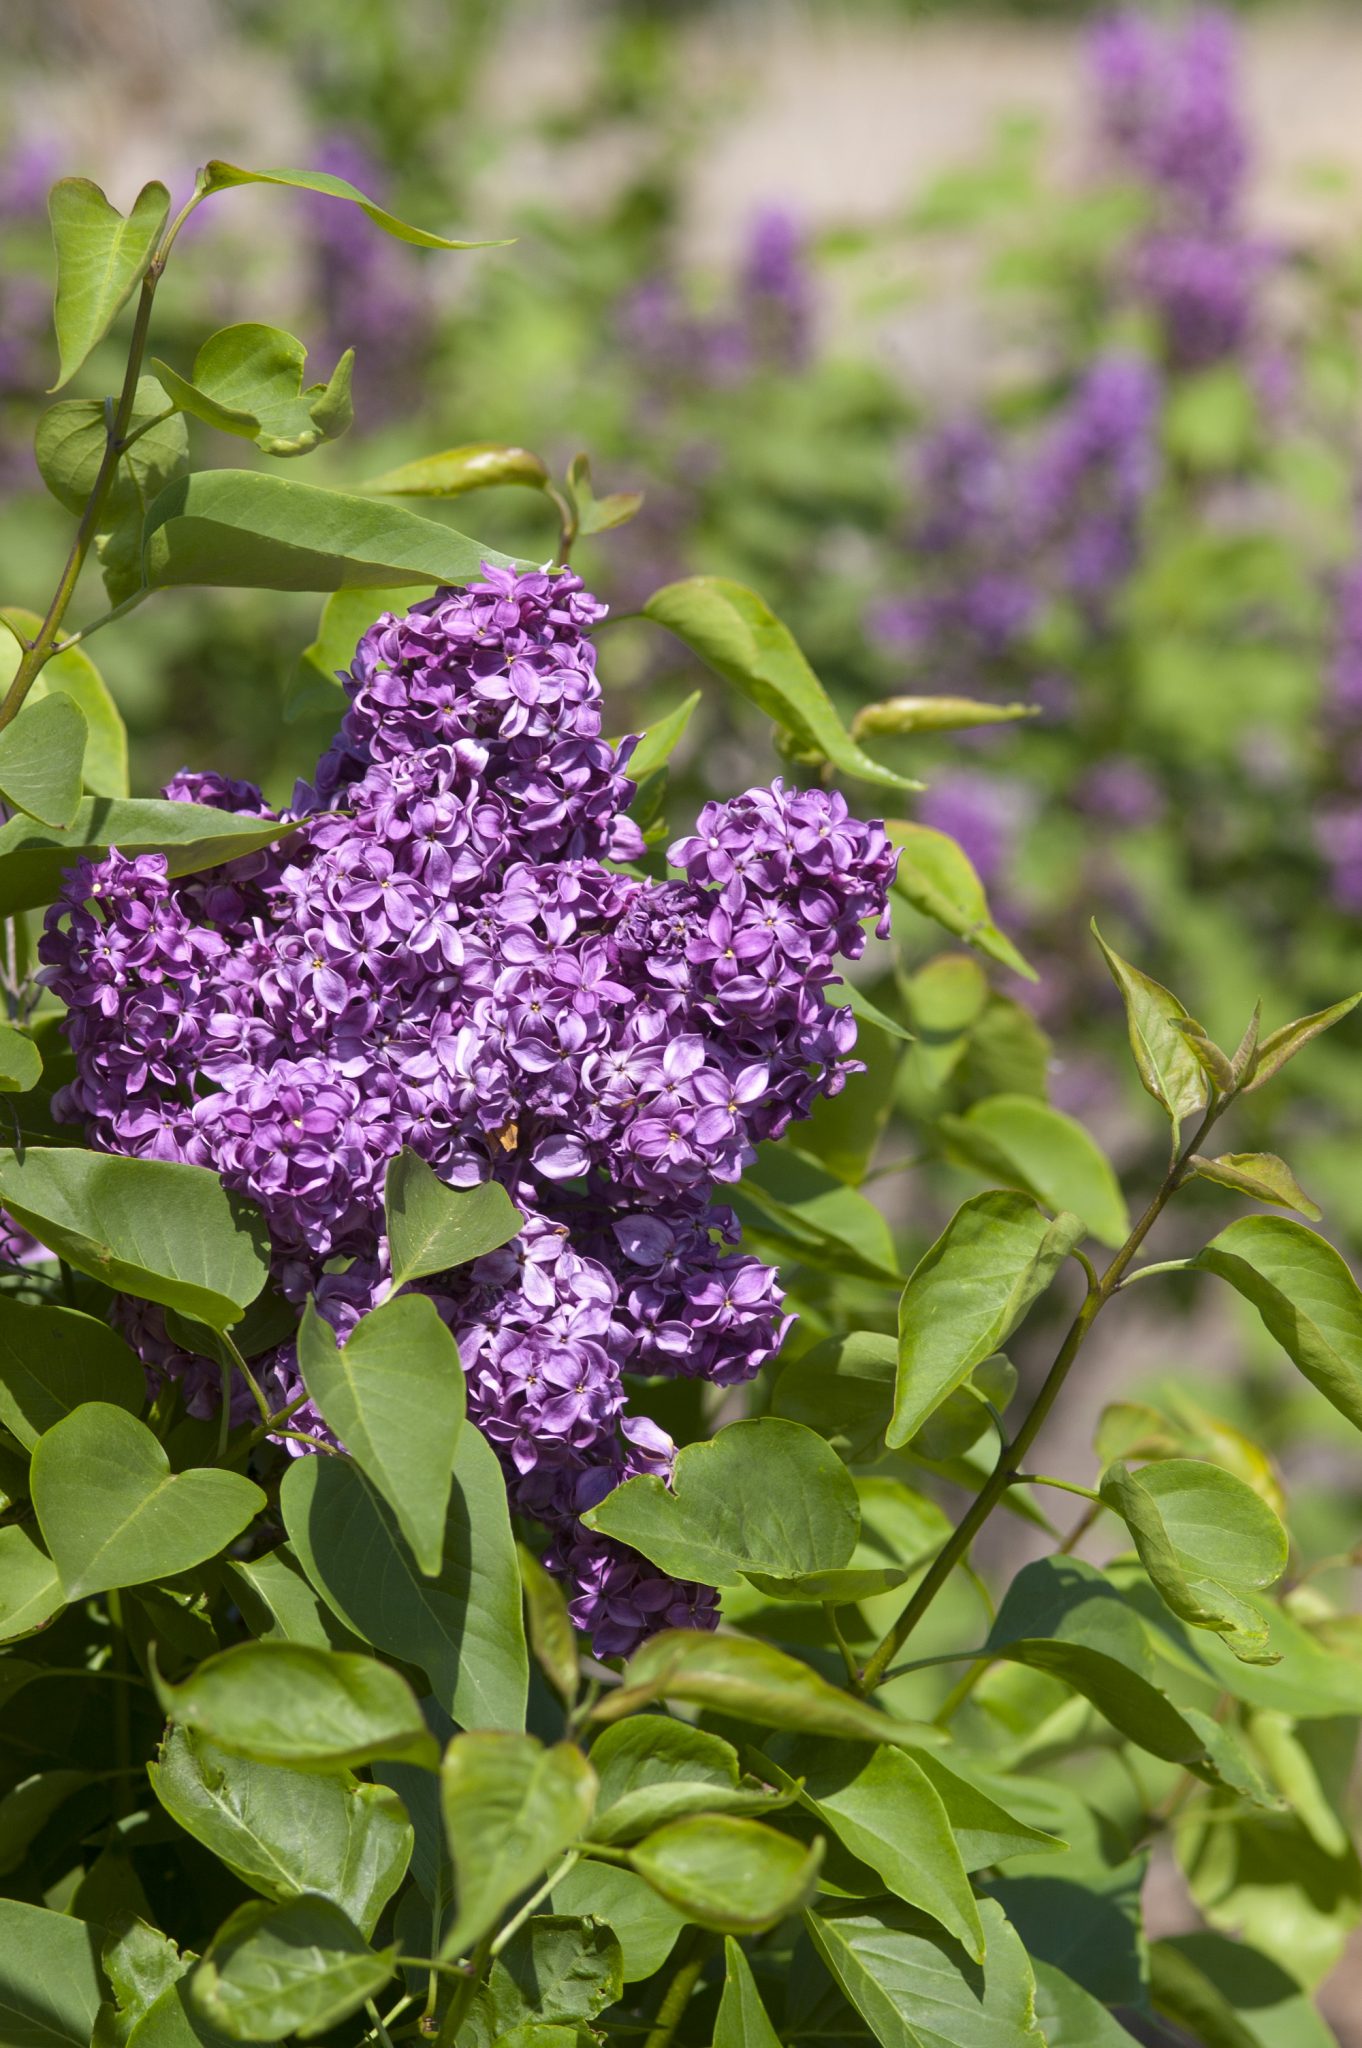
(438, 956)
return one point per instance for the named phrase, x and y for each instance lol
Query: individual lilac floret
(433, 955)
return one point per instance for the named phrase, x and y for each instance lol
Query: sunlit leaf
(101, 257)
(937, 877)
(297, 1968)
(511, 1807)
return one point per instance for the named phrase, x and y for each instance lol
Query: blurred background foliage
(1072, 423)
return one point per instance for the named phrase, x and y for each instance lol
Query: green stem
(1008, 1468)
(694, 1955)
(122, 1706)
(466, 1991)
(376, 2023)
(848, 1654)
(959, 1693)
(1163, 1266)
(535, 1901)
(42, 646)
(1064, 1485)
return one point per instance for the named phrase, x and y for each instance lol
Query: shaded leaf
(52, 1359)
(593, 514)
(240, 527)
(154, 1228)
(915, 1988)
(662, 738)
(644, 1925)
(21, 1063)
(742, 2021)
(843, 1388)
(30, 1591)
(287, 1832)
(432, 1226)
(50, 1986)
(548, 1624)
(968, 1293)
(740, 638)
(463, 1626)
(112, 1512)
(298, 1968)
(101, 258)
(1071, 2017)
(314, 681)
(554, 1971)
(1266, 1999)
(511, 1807)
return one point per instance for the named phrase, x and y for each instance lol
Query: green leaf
(280, 1605)
(284, 1832)
(1265, 1999)
(937, 877)
(50, 1985)
(897, 717)
(1306, 1296)
(736, 1876)
(53, 1359)
(140, 1963)
(1085, 1917)
(593, 514)
(749, 1680)
(101, 257)
(843, 1388)
(548, 1624)
(33, 858)
(314, 686)
(554, 1971)
(475, 466)
(511, 1808)
(662, 738)
(1167, 1066)
(154, 1228)
(432, 1226)
(394, 1395)
(654, 1769)
(305, 1708)
(298, 1968)
(217, 176)
(112, 1512)
(1016, 1138)
(237, 528)
(1263, 1878)
(1280, 1046)
(70, 445)
(74, 675)
(644, 1925)
(762, 1496)
(40, 760)
(1062, 1616)
(887, 1812)
(1071, 2017)
(985, 1832)
(463, 1626)
(865, 1012)
(1262, 1176)
(30, 1591)
(915, 1988)
(741, 639)
(1181, 1993)
(742, 2020)
(21, 1063)
(1205, 1538)
(27, 1809)
(817, 1218)
(967, 1295)
(248, 381)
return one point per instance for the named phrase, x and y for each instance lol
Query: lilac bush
(446, 953)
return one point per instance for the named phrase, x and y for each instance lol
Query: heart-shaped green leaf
(100, 258)
(432, 1226)
(40, 760)
(248, 381)
(155, 1228)
(1306, 1296)
(113, 1513)
(74, 675)
(763, 1496)
(219, 177)
(276, 1970)
(294, 1704)
(394, 1395)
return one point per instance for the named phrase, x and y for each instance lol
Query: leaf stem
(1064, 1485)
(535, 1900)
(37, 656)
(1008, 1468)
(848, 1654)
(694, 1956)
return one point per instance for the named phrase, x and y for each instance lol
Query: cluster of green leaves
(307, 1745)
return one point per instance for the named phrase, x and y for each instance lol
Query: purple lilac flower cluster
(1168, 116)
(438, 956)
